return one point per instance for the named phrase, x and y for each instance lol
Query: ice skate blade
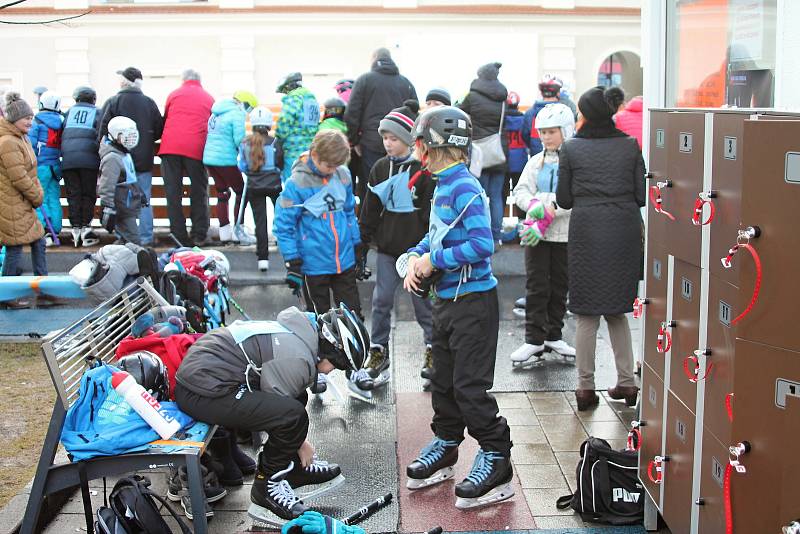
(441, 475)
(498, 494)
(359, 394)
(382, 379)
(307, 493)
(262, 517)
(534, 361)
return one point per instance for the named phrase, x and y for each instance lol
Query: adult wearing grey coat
(601, 178)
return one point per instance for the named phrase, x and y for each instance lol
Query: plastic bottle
(144, 404)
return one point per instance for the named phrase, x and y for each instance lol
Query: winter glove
(109, 219)
(362, 271)
(294, 275)
(533, 230)
(535, 210)
(315, 523)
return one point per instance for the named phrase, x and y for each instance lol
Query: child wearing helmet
(550, 89)
(261, 159)
(45, 137)
(253, 376)
(333, 117)
(343, 88)
(226, 131)
(121, 198)
(544, 236)
(298, 122)
(466, 319)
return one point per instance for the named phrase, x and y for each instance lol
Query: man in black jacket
(132, 103)
(374, 94)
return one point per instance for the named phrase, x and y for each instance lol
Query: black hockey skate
(377, 365)
(433, 465)
(427, 367)
(488, 482)
(315, 480)
(273, 501)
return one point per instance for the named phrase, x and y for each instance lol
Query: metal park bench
(68, 354)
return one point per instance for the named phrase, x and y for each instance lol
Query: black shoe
(178, 479)
(433, 465)
(377, 361)
(274, 495)
(487, 482)
(315, 480)
(246, 464)
(427, 367)
(220, 449)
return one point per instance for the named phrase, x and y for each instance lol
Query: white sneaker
(561, 347)
(525, 352)
(263, 265)
(226, 233)
(48, 241)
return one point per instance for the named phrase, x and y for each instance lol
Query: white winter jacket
(535, 184)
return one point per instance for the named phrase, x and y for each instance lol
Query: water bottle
(145, 404)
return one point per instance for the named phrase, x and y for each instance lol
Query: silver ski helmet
(347, 336)
(84, 93)
(149, 372)
(443, 126)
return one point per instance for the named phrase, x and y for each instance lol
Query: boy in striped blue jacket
(456, 252)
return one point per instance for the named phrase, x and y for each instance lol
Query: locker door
(677, 485)
(685, 167)
(657, 167)
(766, 414)
(686, 314)
(712, 511)
(652, 411)
(656, 309)
(721, 338)
(770, 200)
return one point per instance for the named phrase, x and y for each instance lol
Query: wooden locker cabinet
(712, 471)
(657, 171)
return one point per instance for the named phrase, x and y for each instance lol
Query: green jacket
(298, 122)
(333, 123)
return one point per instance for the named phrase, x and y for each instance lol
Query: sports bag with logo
(133, 510)
(608, 489)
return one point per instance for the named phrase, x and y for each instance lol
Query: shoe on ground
(263, 265)
(178, 479)
(586, 398)
(377, 360)
(48, 241)
(490, 471)
(226, 233)
(274, 494)
(526, 351)
(626, 393)
(427, 367)
(561, 347)
(520, 302)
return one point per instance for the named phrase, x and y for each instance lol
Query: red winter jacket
(629, 120)
(186, 121)
(170, 349)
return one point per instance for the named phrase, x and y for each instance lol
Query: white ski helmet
(261, 116)
(125, 127)
(50, 101)
(216, 262)
(556, 116)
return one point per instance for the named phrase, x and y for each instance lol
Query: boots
(220, 448)
(427, 367)
(226, 233)
(628, 393)
(586, 399)
(246, 464)
(488, 482)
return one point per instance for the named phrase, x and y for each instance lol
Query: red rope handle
(656, 201)
(693, 375)
(729, 406)
(727, 263)
(726, 490)
(638, 307)
(663, 336)
(657, 463)
(634, 442)
(697, 217)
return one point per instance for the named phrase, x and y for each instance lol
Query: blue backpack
(102, 423)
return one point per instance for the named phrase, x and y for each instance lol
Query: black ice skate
(433, 465)
(427, 367)
(360, 383)
(377, 365)
(488, 482)
(273, 501)
(315, 480)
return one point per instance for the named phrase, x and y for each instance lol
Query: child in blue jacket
(45, 136)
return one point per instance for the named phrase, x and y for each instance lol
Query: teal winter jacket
(226, 130)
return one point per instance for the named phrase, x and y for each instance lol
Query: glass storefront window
(721, 53)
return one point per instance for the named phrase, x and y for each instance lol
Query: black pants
(464, 351)
(258, 203)
(81, 186)
(317, 291)
(283, 418)
(546, 299)
(173, 169)
(368, 160)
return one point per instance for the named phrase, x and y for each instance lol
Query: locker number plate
(680, 430)
(724, 313)
(686, 289)
(717, 471)
(660, 137)
(657, 269)
(652, 396)
(685, 142)
(729, 148)
(792, 170)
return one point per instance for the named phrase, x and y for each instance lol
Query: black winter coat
(395, 233)
(375, 94)
(484, 104)
(79, 146)
(132, 103)
(602, 181)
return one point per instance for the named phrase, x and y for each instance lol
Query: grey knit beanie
(16, 108)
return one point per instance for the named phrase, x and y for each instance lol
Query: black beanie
(440, 95)
(594, 106)
(400, 121)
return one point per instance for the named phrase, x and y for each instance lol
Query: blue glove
(315, 523)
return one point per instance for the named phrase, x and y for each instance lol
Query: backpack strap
(86, 497)
(181, 523)
(563, 502)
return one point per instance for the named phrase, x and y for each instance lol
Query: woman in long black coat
(601, 178)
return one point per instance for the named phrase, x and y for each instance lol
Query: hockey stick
(47, 222)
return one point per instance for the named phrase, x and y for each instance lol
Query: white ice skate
(500, 493)
(446, 473)
(356, 384)
(527, 355)
(263, 518)
(560, 347)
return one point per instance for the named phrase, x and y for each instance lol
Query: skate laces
(361, 374)
(434, 451)
(482, 467)
(318, 466)
(280, 490)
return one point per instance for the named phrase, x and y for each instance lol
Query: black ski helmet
(84, 93)
(444, 126)
(290, 82)
(347, 335)
(334, 107)
(149, 371)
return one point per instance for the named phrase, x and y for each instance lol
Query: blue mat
(38, 322)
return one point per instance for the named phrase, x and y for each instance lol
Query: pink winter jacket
(186, 121)
(629, 120)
